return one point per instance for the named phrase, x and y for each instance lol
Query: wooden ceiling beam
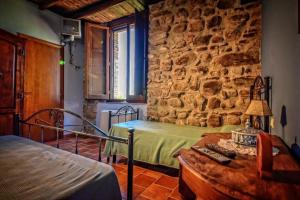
(48, 4)
(92, 8)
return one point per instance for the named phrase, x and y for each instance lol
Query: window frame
(122, 24)
(140, 22)
(111, 88)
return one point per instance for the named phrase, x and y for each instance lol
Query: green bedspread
(157, 143)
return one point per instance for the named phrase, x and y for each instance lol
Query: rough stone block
(238, 59)
(214, 120)
(202, 40)
(211, 87)
(175, 102)
(226, 4)
(214, 21)
(203, 57)
(214, 103)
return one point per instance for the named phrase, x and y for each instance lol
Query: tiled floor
(148, 184)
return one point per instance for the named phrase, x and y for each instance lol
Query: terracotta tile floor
(148, 183)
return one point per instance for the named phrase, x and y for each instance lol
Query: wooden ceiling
(99, 11)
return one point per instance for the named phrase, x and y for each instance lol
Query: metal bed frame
(123, 111)
(57, 115)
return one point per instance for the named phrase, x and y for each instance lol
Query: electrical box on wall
(71, 27)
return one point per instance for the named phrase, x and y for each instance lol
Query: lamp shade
(258, 108)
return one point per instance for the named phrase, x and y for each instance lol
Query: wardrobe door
(43, 84)
(11, 52)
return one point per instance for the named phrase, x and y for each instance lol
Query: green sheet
(156, 142)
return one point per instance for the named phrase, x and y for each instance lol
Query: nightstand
(203, 178)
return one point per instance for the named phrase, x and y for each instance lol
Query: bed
(157, 143)
(32, 170)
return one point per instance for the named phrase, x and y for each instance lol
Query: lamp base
(245, 136)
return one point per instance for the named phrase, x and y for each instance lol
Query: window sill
(112, 101)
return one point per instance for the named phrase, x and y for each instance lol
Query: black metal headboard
(127, 111)
(262, 86)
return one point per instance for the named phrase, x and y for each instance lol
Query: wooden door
(43, 82)
(11, 60)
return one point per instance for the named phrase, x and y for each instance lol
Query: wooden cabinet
(11, 62)
(31, 78)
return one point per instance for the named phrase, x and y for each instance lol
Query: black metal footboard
(55, 118)
(128, 113)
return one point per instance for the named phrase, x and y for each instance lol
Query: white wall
(22, 16)
(281, 61)
(73, 81)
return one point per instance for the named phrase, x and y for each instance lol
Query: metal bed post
(76, 143)
(114, 156)
(29, 131)
(137, 113)
(109, 119)
(42, 133)
(57, 138)
(130, 165)
(109, 126)
(99, 156)
(126, 116)
(17, 125)
(114, 160)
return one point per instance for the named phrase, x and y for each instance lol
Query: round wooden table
(203, 178)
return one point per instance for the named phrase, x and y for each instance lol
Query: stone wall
(203, 57)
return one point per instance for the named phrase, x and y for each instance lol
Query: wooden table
(203, 178)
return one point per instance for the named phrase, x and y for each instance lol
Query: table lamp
(258, 108)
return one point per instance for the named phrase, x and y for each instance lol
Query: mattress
(30, 170)
(157, 143)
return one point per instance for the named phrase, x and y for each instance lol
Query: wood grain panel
(7, 74)
(42, 81)
(6, 123)
(97, 62)
(11, 62)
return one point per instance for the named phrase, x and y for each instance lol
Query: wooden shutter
(96, 61)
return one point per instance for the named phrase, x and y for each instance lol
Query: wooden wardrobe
(38, 78)
(11, 70)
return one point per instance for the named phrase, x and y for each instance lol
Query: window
(116, 60)
(123, 62)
